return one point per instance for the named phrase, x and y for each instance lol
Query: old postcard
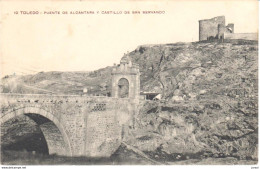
(129, 82)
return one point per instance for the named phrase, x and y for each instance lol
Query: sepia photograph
(129, 83)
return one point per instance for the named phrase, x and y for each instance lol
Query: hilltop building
(216, 28)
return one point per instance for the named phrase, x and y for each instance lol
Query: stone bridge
(81, 125)
(74, 125)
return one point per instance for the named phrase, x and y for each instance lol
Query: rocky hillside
(211, 106)
(164, 68)
(210, 95)
(181, 71)
(96, 82)
(186, 71)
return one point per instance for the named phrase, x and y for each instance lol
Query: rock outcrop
(210, 95)
(211, 99)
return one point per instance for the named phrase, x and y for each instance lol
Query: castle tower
(126, 79)
(208, 28)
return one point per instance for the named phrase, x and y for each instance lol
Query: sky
(70, 42)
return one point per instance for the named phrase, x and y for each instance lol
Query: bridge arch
(55, 123)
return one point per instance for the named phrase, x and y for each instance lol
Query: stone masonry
(78, 125)
(128, 71)
(216, 28)
(81, 125)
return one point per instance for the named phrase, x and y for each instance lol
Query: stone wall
(130, 71)
(214, 28)
(209, 27)
(103, 133)
(133, 85)
(81, 120)
(54, 139)
(246, 36)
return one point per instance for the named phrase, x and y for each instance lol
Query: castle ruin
(216, 28)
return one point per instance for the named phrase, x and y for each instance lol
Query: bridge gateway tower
(126, 79)
(80, 125)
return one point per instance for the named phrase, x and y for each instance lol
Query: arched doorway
(33, 130)
(123, 88)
